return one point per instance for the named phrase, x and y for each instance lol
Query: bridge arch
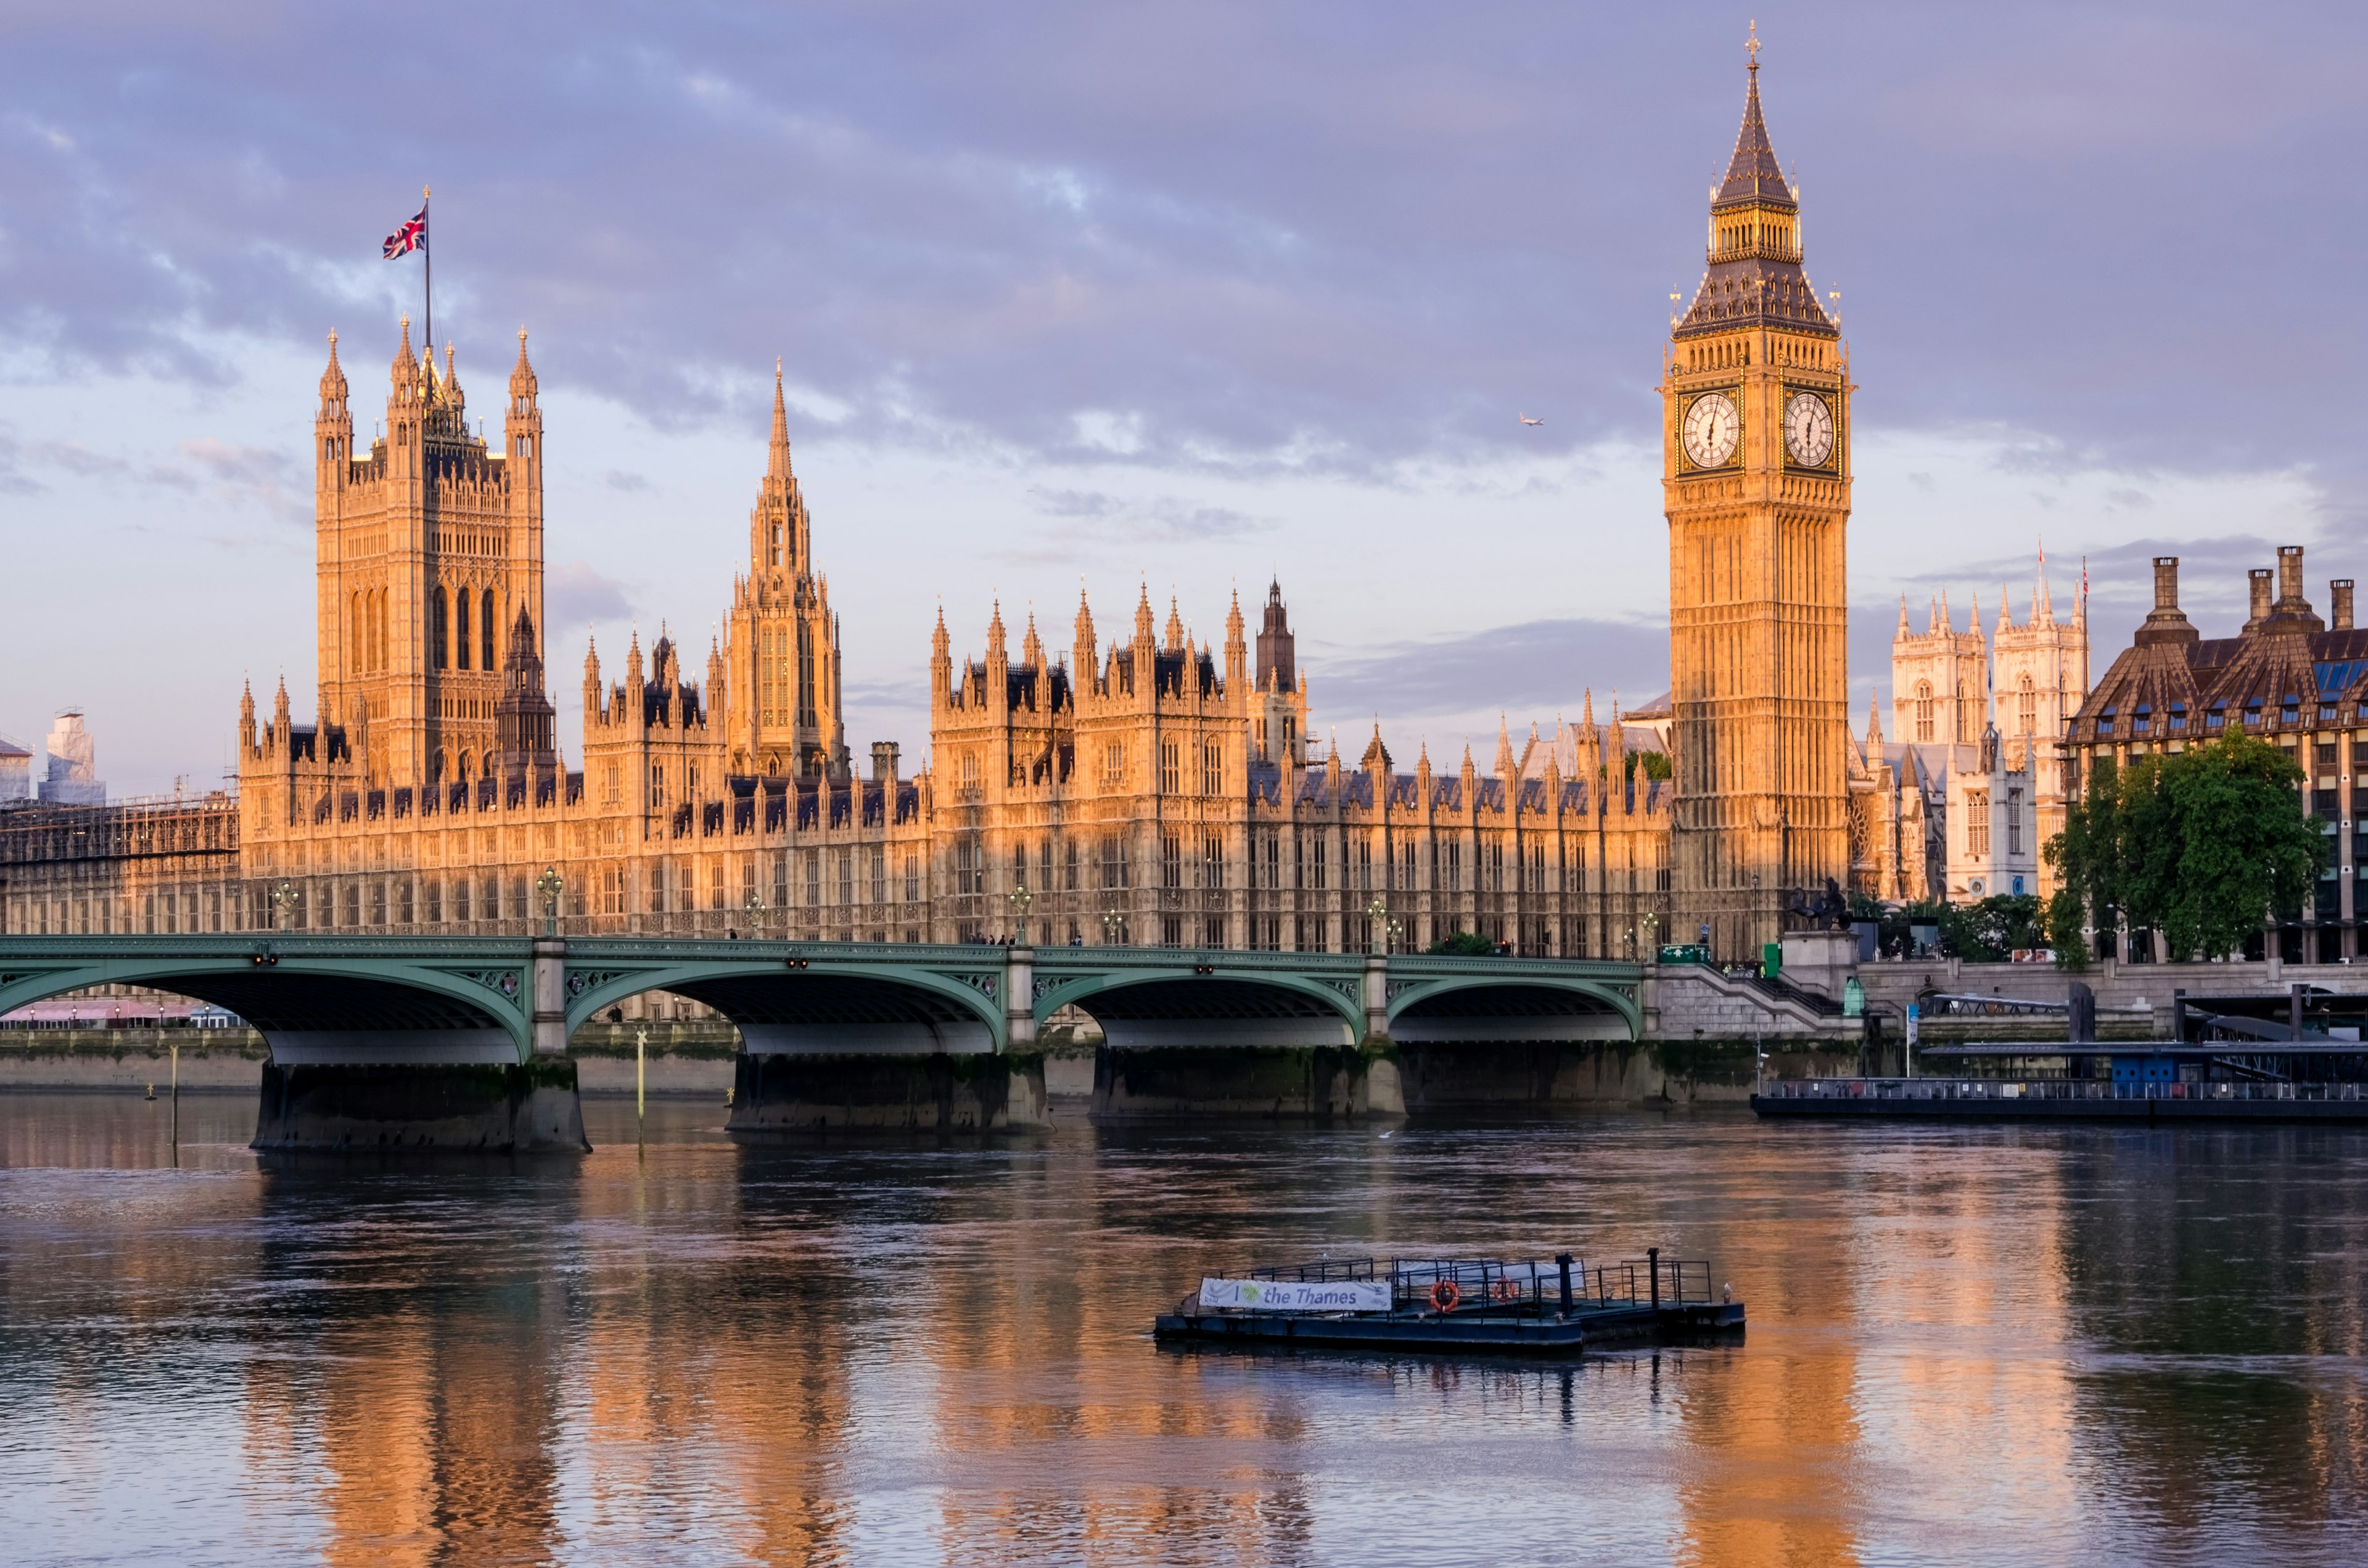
(1529, 1007)
(808, 1007)
(1139, 1008)
(318, 1003)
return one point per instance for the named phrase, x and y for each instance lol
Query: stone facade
(1962, 803)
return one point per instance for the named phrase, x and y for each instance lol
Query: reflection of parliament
(1144, 790)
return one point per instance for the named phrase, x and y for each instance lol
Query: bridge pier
(1334, 1082)
(357, 1106)
(785, 1094)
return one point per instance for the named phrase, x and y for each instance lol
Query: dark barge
(1461, 1306)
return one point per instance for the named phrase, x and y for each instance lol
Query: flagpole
(425, 234)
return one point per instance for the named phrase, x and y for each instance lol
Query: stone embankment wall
(212, 1061)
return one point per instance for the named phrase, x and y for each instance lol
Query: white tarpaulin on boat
(1296, 1296)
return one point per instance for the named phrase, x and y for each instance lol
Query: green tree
(2204, 845)
(2215, 842)
(1655, 763)
(1992, 929)
(1465, 945)
(2089, 855)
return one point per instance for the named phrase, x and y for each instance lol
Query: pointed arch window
(1964, 714)
(461, 628)
(1923, 709)
(485, 628)
(2029, 700)
(440, 648)
(356, 636)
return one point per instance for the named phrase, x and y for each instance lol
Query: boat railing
(1513, 1284)
(2051, 1089)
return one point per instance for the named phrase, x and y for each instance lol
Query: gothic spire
(1754, 277)
(1753, 174)
(522, 373)
(777, 465)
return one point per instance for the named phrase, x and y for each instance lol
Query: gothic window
(1964, 715)
(486, 629)
(2030, 699)
(1171, 861)
(461, 626)
(879, 876)
(1365, 865)
(1044, 867)
(1171, 768)
(963, 852)
(439, 651)
(355, 636)
(1019, 865)
(845, 876)
(1213, 864)
(657, 784)
(1213, 768)
(2014, 822)
(806, 674)
(773, 545)
(1318, 875)
(1924, 710)
(1977, 825)
(911, 878)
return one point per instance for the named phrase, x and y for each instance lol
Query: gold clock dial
(1808, 430)
(1711, 430)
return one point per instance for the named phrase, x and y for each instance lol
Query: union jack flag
(411, 236)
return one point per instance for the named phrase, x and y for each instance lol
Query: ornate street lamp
(550, 884)
(1382, 926)
(755, 908)
(1113, 923)
(286, 898)
(1650, 921)
(1021, 899)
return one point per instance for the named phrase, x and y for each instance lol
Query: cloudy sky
(1183, 296)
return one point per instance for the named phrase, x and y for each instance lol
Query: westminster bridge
(391, 1039)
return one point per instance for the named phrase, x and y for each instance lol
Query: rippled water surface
(2003, 1345)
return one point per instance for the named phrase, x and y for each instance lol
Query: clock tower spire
(1755, 483)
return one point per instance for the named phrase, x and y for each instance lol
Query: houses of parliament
(1082, 784)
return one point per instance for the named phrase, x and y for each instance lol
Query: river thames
(1994, 1345)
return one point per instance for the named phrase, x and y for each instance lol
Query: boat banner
(1296, 1296)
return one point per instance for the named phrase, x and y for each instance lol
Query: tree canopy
(2204, 845)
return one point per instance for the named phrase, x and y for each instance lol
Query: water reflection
(1997, 1345)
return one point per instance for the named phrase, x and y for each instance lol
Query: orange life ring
(1444, 1295)
(1505, 1290)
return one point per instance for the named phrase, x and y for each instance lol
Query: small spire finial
(1752, 47)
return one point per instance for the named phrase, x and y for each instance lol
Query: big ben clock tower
(1755, 483)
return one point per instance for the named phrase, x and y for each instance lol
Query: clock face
(1711, 429)
(1808, 430)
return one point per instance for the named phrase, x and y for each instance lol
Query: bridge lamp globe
(286, 898)
(550, 884)
(1113, 923)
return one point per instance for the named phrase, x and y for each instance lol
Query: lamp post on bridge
(550, 884)
(754, 906)
(285, 898)
(1382, 925)
(1021, 899)
(1113, 926)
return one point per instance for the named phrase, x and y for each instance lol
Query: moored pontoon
(1557, 1306)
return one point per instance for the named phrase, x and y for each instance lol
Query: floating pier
(2131, 1095)
(1457, 1306)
